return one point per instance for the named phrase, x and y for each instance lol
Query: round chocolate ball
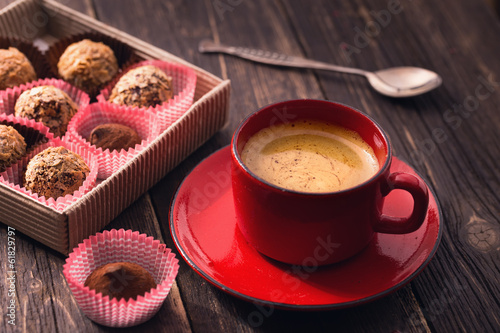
(88, 65)
(12, 146)
(114, 137)
(121, 280)
(49, 105)
(143, 86)
(15, 68)
(55, 172)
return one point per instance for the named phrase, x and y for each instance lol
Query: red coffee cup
(297, 227)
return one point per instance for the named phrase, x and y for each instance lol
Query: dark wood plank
(180, 40)
(172, 317)
(39, 297)
(210, 309)
(262, 84)
(450, 135)
(43, 298)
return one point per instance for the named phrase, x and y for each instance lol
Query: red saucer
(203, 225)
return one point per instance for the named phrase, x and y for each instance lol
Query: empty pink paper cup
(120, 246)
(184, 85)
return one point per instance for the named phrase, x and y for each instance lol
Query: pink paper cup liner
(144, 122)
(120, 246)
(9, 96)
(184, 85)
(13, 176)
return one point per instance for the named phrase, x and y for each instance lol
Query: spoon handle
(274, 58)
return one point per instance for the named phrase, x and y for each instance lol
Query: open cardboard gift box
(47, 21)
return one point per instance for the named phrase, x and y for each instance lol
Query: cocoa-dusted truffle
(143, 86)
(120, 280)
(12, 146)
(15, 68)
(55, 172)
(114, 137)
(49, 105)
(88, 65)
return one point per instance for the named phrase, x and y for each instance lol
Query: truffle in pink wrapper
(183, 85)
(13, 176)
(120, 246)
(42, 109)
(55, 172)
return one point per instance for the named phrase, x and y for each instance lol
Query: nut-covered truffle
(143, 86)
(49, 105)
(120, 280)
(12, 146)
(55, 172)
(114, 137)
(15, 68)
(88, 65)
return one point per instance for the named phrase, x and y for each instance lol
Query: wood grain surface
(450, 136)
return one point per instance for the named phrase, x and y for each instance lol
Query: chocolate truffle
(55, 172)
(49, 105)
(120, 280)
(143, 86)
(88, 65)
(15, 68)
(114, 137)
(12, 146)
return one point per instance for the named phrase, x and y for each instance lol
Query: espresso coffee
(310, 156)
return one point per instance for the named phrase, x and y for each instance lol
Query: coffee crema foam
(310, 156)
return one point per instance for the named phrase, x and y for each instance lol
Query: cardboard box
(44, 22)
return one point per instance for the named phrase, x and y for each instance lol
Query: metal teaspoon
(393, 82)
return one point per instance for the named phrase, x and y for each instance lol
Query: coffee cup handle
(418, 190)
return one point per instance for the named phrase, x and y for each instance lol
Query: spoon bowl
(403, 81)
(393, 82)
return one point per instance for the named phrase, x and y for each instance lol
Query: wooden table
(449, 135)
